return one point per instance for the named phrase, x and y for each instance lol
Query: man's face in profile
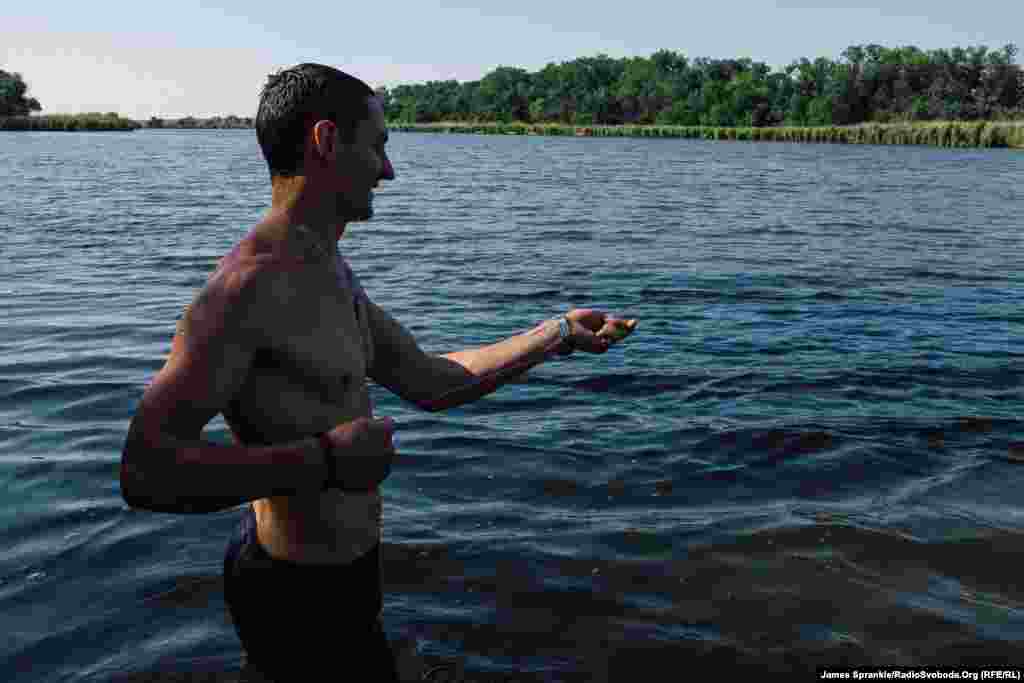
(362, 165)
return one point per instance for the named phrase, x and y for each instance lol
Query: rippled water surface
(807, 454)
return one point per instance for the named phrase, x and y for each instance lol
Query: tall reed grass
(937, 133)
(68, 122)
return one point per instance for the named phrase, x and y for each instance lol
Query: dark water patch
(902, 564)
(631, 384)
(886, 293)
(9, 386)
(777, 445)
(500, 406)
(559, 487)
(932, 274)
(112, 404)
(788, 597)
(195, 591)
(570, 235)
(183, 263)
(866, 382)
(654, 384)
(772, 476)
(627, 239)
(576, 272)
(92, 334)
(811, 280)
(846, 458)
(650, 295)
(201, 675)
(772, 230)
(907, 377)
(31, 471)
(1007, 317)
(743, 295)
(515, 297)
(88, 245)
(62, 643)
(845, 226)
(68, 400)
(621, 656)
(922, 427)
(69, 366)
(455, 444)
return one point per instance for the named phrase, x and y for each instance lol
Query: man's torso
(309, 377)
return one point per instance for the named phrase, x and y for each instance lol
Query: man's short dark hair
(294, 99)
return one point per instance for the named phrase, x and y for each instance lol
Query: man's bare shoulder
(259, 264)
(253, 284)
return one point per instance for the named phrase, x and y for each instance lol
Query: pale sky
(191, 57)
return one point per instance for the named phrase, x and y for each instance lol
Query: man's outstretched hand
(595, 332)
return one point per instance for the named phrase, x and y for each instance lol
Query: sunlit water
(804, 455)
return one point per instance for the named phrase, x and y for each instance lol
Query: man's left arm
(439, 382)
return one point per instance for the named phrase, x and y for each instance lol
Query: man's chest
(309, 371)
(321, 341)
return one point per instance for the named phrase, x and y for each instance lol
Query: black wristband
(332, 475)
(332, 469)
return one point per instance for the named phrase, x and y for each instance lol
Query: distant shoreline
(112, 121)
(961, 134)
(193, 123)
(988, 134)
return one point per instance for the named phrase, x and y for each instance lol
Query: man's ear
(324, 140)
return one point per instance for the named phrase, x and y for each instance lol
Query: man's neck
(325, 248)
(292, 206)
(299, 239)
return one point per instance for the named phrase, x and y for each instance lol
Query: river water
(806, 455)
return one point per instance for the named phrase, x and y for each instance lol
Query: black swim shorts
(298, 621)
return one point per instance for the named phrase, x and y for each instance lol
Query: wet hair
(294, 99)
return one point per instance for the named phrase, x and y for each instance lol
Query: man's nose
(388, 172)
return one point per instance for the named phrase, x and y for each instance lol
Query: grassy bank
(192, 123)
(940, 133)
(69, 122)
(113, 121)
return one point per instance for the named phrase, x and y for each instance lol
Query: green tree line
(16, 108)
(13, 98)
(231, 121)
(69, 122)
(868, 83)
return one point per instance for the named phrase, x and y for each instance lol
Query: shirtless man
(281, 340)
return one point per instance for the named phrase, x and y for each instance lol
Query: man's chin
(360, 216)
(353, 214)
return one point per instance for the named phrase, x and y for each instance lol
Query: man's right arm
(165, 465)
